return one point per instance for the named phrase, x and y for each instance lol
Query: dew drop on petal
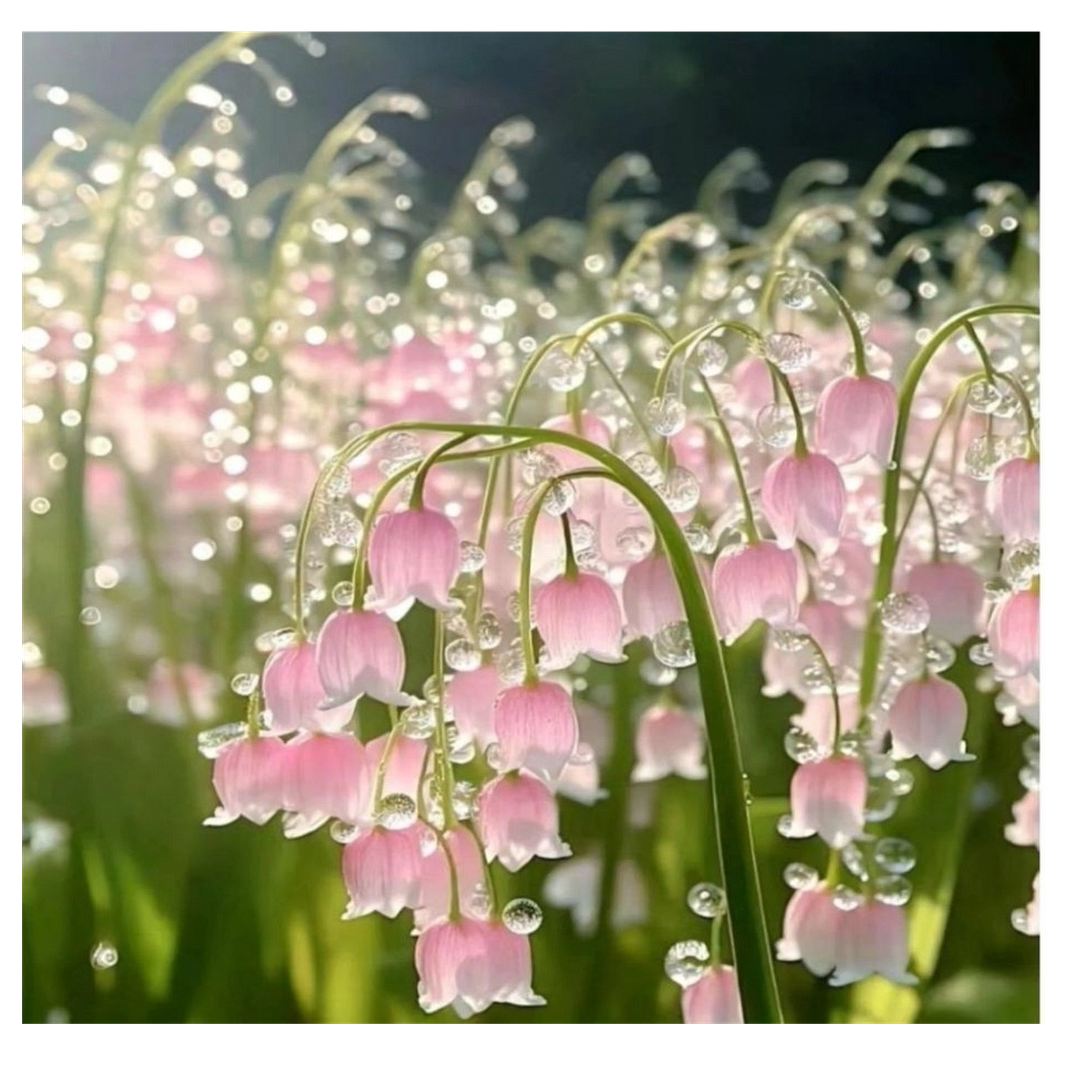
(905, 613)
(396, 811)
(799, 876)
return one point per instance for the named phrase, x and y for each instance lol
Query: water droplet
(789, 640)
(681, 490)
(342, 594)
(1019, 920)
(984, 397)
(1029, 777)
(902, 780)
(488, 631)
(559, 497)
(344, 832)
(635, 541)
(647, 467)
(283, 638)
(463, 655)
(797, 293)
(802, 747)
(522, 916)
(212, 742)
(673, 645)
(785, 826)
(563, 371)
(846, 899)
(706, 900)
(880, 799)
(776, 425)
(473, 557)
(710, 357)
(396, 811)
(699, 538)
(666, 415)
(479, 902)
(338, 481)
(418, 721)
(686, 962)
(981, 654)
(463, 799)
(894, 890)
(799, 876)
(511, 663)
(653, 673)
(983, 455)
(401, 448)
(104, 955)
(894, 855)
(789, 352)
(90, 616)
(905, 613)
(429, 842)
(244, 684)
(1021, 564)
(1030, 749)
(940, 655)
(855, 861)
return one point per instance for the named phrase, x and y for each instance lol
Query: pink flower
(1014, 635)
(713, 999)
(325, 776)
(404, 764)
(519, 819)
(927, 720)
(575, 885)
(1024, 829)
(471, 697)
(536, 728)
(249, 780)
(828, 625)
(382, 871)
(873, 941)
(856, 416)
(435, 877)
(357, 653)
(472, 963)
(414, 555)
(955, 595)
(812, 927)
(650, 597)
(668, 742)
(579, 613)
(828, 798)
(803, 498)
(758, 581)
(1012, 500)
(294, 693)
(819, 717)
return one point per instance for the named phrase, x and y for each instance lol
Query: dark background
(685, 100)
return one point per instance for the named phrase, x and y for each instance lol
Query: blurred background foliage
(237, 925)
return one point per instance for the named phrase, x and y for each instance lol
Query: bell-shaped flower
(294, 693)
(828, 798)
(471, 696)
(249, 780)
(856, 417)
(668, 742)
(755, 581)
(927, 720)
(519, 820)
(536, 728)
(414, 555)
(1023, 830)
(579, 613)
(812, 927)
(470, 964)
(828, 624)
(325, 776)
(954, 593)
(401, 763)
(818, 717)
(713, 999)
(803, 498)
(1012, 500)
(651, 598)
(357, 653)
(435, 877)
(873, 941)
(1014, 635)
(575, 885)
(383, 870)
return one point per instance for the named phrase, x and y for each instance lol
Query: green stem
(751, 939)
(857, 342)
(891, 499)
